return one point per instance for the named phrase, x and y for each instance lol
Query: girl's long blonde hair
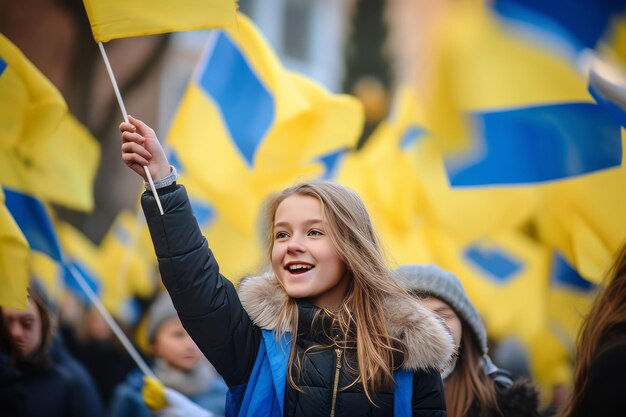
(350, 229)
(607, 313)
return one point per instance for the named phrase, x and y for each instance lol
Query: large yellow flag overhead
(13, 260)
(112, 19)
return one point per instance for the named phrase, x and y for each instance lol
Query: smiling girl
(326, 331)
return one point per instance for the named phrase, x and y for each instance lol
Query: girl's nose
(295, 244)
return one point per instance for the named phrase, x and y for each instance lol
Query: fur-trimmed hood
(429, 344)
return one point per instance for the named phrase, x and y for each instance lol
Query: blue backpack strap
(403, 393)
(265, 390)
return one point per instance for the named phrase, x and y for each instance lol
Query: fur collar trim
(429, 344)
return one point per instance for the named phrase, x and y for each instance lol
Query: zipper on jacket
(339, 352)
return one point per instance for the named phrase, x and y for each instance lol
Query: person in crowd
(12, 394)
(474, 386)
(93, 343)
(600, 368)
(52, 386)
(325, 331)
(178, 364)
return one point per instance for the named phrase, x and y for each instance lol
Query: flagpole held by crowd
(125, 114)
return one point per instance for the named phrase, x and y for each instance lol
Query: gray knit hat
(434, 281)
(161, 310)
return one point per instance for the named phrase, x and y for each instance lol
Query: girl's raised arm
(206, 302)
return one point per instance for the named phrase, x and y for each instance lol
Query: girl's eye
(315, 233)
(281, 235)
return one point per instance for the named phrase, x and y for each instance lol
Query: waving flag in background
(239, 252)
(583, 219)
(33, 219)
(517, 112)
(384, 175)
(44, 151)
(569, 300)
(571, 297)
(246, 127)
(45, 156)
(82, 253)
(505, 276)
(60, 168)
(112, 19)
(127, 276)
(13, 260)
(582, 23)
(30, 106)
(25, 219)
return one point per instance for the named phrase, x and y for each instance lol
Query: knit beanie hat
(161, 310)
(434, 281)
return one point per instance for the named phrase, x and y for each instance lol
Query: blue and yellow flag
(246, 127)
(239, 252)
(385, 176)
(582, 23)
(14, 250)
(112, 19)
(25, 219)
(506, 277)
(553, 350)
(33, 219)
(469, 213)
(583, 219)
(128, 263)
(569, 301)
(517, 112)
(81, 257)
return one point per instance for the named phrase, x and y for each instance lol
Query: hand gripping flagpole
(123, 108)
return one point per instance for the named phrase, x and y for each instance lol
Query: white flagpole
(123, 108)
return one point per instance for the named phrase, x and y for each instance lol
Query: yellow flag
(112, 19)
(60, 169)
(49, 272)
(238, 251)
(551, 362)
(14, 251)
(506, 277)
(30, 106)
(128, 259)
(385, 176)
